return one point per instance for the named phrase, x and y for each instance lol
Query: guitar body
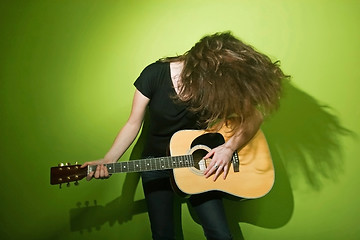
(254, 179)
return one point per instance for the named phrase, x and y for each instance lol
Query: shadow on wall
(306, 136)
(304, 139)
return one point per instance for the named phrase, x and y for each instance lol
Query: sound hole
(198, 156)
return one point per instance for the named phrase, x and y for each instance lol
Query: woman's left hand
(220, 161)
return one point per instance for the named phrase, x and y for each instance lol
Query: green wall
(66, 74)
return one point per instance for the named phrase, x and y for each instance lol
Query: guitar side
(256, 172)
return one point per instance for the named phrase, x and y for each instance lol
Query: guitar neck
(148, 164)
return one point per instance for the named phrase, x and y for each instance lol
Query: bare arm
(222, 155)
(124, 138)
(130, 130)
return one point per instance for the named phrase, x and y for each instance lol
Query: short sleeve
(146, 82)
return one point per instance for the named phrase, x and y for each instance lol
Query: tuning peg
(68, 184)
(61, 164)
(76, 163)
(60, 185)
(76, 183)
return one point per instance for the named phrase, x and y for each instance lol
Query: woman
(220, 80)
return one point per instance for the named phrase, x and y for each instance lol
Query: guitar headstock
(66, 173)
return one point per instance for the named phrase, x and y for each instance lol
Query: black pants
(208, 207)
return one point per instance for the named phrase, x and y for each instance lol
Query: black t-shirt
(167, 116)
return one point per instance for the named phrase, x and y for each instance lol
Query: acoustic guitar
(251, 174)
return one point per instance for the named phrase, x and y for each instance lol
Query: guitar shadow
(303, 138)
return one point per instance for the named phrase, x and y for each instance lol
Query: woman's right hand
(101, 170)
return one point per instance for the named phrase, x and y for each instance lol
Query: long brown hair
(225, 79)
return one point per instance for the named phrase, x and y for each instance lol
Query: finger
(208, 167)
(85, 164)
(211, 166)
(218, 172)
(102, 171)
(209, 154)
(89, 176)
(226, 171)
(97, 171)
(106, 172)
(88, 164)
(211, 169)
(207, 171)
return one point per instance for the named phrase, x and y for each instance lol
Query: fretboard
(149, 164)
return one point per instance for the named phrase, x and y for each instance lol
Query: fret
(137, 166)
(111, 168)
(178, 162)
(162, 163)
(142, 165)
(125, 167)
(187, 162)
(157, 163)
(152, 164)
(147, 164)
(168, 163)
(130, 166)
(173, 162)
(120, 166)
(183, 161)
